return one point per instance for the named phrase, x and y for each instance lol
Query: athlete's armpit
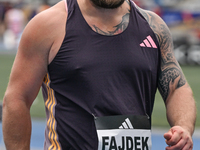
(170, 76)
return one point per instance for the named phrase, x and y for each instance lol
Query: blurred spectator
(14, 22)
(2, 12)
(1, 20)
(4, 6)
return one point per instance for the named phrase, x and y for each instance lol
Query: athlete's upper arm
(31, 61)
(170, 76)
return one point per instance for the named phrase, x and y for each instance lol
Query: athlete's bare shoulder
(160, 29)
(46, 30)
(49, 18)
(156, 22)
(170, 74)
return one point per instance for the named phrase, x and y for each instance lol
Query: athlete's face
(109, 4)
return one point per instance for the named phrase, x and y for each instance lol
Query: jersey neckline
(119, 34)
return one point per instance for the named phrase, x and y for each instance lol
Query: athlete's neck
(104, 21)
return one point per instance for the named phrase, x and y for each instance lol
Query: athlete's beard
(109, 4)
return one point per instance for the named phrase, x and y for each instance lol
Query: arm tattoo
(170, 75)
(169, 80)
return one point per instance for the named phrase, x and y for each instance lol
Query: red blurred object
(187, 16)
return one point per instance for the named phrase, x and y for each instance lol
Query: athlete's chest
(90, 54)
(84, 50)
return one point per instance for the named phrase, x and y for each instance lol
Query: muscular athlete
(40, 43)
(172, 85)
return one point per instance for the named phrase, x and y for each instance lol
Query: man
(107, 60)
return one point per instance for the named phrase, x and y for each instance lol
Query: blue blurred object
(38, 127)
(172, 17)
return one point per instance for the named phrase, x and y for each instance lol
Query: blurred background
(181, 16)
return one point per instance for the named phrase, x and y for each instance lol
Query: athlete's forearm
(16, 125)
(181, 109)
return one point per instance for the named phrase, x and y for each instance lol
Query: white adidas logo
(148, 42)
(126, 124)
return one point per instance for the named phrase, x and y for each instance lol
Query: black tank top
(98, 75)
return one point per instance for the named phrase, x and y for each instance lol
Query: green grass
(158, 118)
(5, 67)
(192, 75)
(6, 61)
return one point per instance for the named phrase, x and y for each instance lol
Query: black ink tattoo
(170, 76)
(117, 29)
(167, 81)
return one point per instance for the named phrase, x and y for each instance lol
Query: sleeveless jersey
(97, 75)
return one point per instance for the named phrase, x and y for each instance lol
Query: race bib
(125, 132)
